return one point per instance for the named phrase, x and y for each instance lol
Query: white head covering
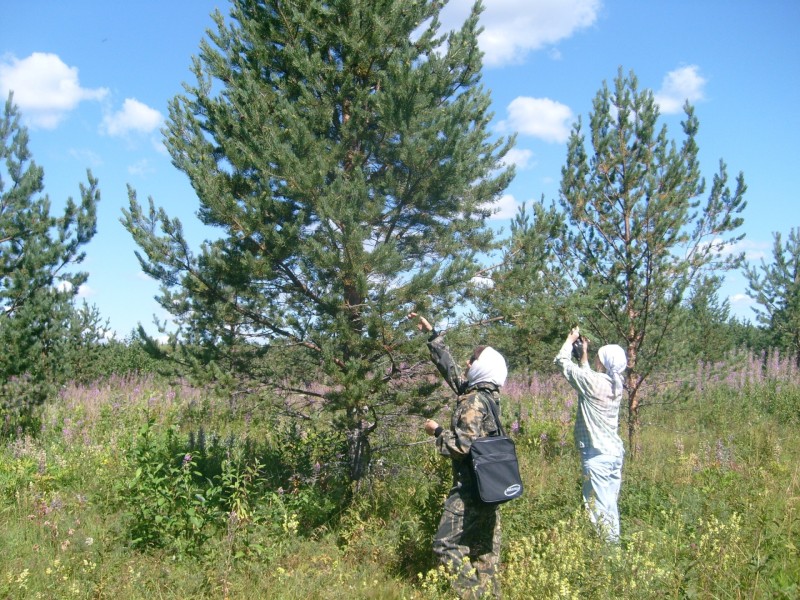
(615, 362)
(490, 367)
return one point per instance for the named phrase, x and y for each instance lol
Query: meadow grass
(139, 488)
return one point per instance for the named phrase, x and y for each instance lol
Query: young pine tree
(776, 290)
(37, 315)
(639, 232)
(341, 150)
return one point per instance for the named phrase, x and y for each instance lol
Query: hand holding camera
(579, 347)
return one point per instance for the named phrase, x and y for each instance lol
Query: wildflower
(515, 426)
(22, 578)
(89, 541)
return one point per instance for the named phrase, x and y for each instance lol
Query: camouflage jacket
(472, 417)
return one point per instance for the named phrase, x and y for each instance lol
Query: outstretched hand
(423, 324)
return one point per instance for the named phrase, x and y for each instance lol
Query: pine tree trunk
(633, 423)
(359, 451)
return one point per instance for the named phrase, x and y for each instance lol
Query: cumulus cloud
(519, 157)
(45, 88)
(134, 117)
(506, 207)
(514, 28)
(84, 291)
(678, 86)
(753, 250)
(741, 300)
(539, 117)
(64, 286)
(482, 282)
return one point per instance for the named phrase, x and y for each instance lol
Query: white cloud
(140, 168)
(45, 88)
(753, 251)
(679, 86)
(539, 117)
(158, 145)
(482, 282)
(514, 28)
(521, 158)
(740, 300)
(506, 207)
(135, 116)
(84, 291)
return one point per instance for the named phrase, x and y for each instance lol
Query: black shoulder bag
(494, 463)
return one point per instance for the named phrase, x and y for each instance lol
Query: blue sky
(93, 80)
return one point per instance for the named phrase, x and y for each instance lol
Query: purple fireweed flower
(515, 426)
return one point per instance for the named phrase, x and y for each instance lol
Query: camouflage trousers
(468, 544)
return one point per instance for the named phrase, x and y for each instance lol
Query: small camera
(577, 348)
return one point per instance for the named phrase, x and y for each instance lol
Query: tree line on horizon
(343, 153)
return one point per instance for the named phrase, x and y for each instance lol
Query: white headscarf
(615, 362)
(490, 367)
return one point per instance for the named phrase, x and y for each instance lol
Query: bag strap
(493, 410)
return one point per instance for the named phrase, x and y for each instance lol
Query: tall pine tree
(341, 150)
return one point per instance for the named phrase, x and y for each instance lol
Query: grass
(141, 489)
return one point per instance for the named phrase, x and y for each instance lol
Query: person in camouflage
(468, 539)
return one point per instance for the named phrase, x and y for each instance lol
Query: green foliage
(180, 493)
(546, 438)
(703, 325)
(776, 290)
(747, 335)
(42, 333)
(639, 235)
(708, 509)
(166, 506)
(114, 357)
(529, 302)
(342, 152)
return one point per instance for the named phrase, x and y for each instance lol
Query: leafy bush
(224, 498)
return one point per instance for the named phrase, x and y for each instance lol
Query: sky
(93, 80)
